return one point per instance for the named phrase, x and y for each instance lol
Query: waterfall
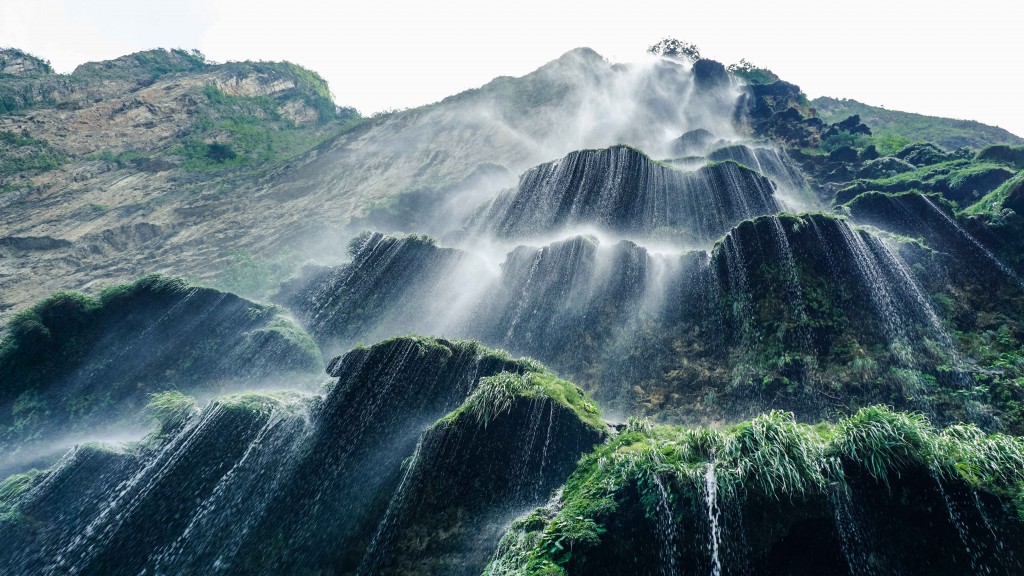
(620, 190)
(974, 242)
(977, 565)
(711, 501)
(667, 531)
(852, 538)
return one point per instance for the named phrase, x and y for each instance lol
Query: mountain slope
(946, 132)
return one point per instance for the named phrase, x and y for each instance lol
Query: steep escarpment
(513, 441)
(392, 286)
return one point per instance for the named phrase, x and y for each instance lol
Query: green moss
(993, 203)
(495, 395)
(170, 410)
(262, 403)
(73, 359)
(771, 456)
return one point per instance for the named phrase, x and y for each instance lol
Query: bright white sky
(946, 58)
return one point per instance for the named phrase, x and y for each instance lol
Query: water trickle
(667, 531)
(978, 565)
(852, 538)
(714, 514)
(975, 242)
(621, 190)
(796, 297)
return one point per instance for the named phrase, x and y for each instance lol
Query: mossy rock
(771, 496)
(884, 168)
(1012, 156)
(73, 362)
(622, 190)
(516, 439)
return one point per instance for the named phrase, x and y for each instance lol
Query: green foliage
(770, 457)
(961, 181)
(248, 130)
(144, 66)
(1012, 156)
(673, 48)
(12, 491)
(72, 359)
(170, 410)
(844, 138)
(752, 74)
(948, 133)
(884, 442)
(993, 203)
(496, 394)
(21, 153)
(255, 276)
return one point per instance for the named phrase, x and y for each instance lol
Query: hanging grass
(772, 457)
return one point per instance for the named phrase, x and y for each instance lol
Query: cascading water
(852, 537)
(714, 514)
(977, 564)
(974, 242)
(667, 531)
(620, 190)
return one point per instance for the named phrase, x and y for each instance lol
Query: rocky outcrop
(73, 363)
(621, 190)
(513, 442)
(773, 497)
(14, 62)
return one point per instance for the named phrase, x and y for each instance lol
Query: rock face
(695, 142)
(14, 62)
(620, 190)
(74, 364)
(392, 286)
(286, 482)
(477, 468)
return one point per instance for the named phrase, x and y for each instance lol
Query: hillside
(946, 132)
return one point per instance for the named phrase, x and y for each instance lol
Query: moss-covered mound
(1012, 156)
(881, 492)
(513, 441)
(961, 181)
(621, 190)
(73, 362)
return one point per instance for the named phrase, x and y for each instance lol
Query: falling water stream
(714, 514)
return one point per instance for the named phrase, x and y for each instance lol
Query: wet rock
(709, 75)
(471, 472)
(692, 143)
(621, 190)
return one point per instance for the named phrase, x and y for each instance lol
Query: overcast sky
(956, 59)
